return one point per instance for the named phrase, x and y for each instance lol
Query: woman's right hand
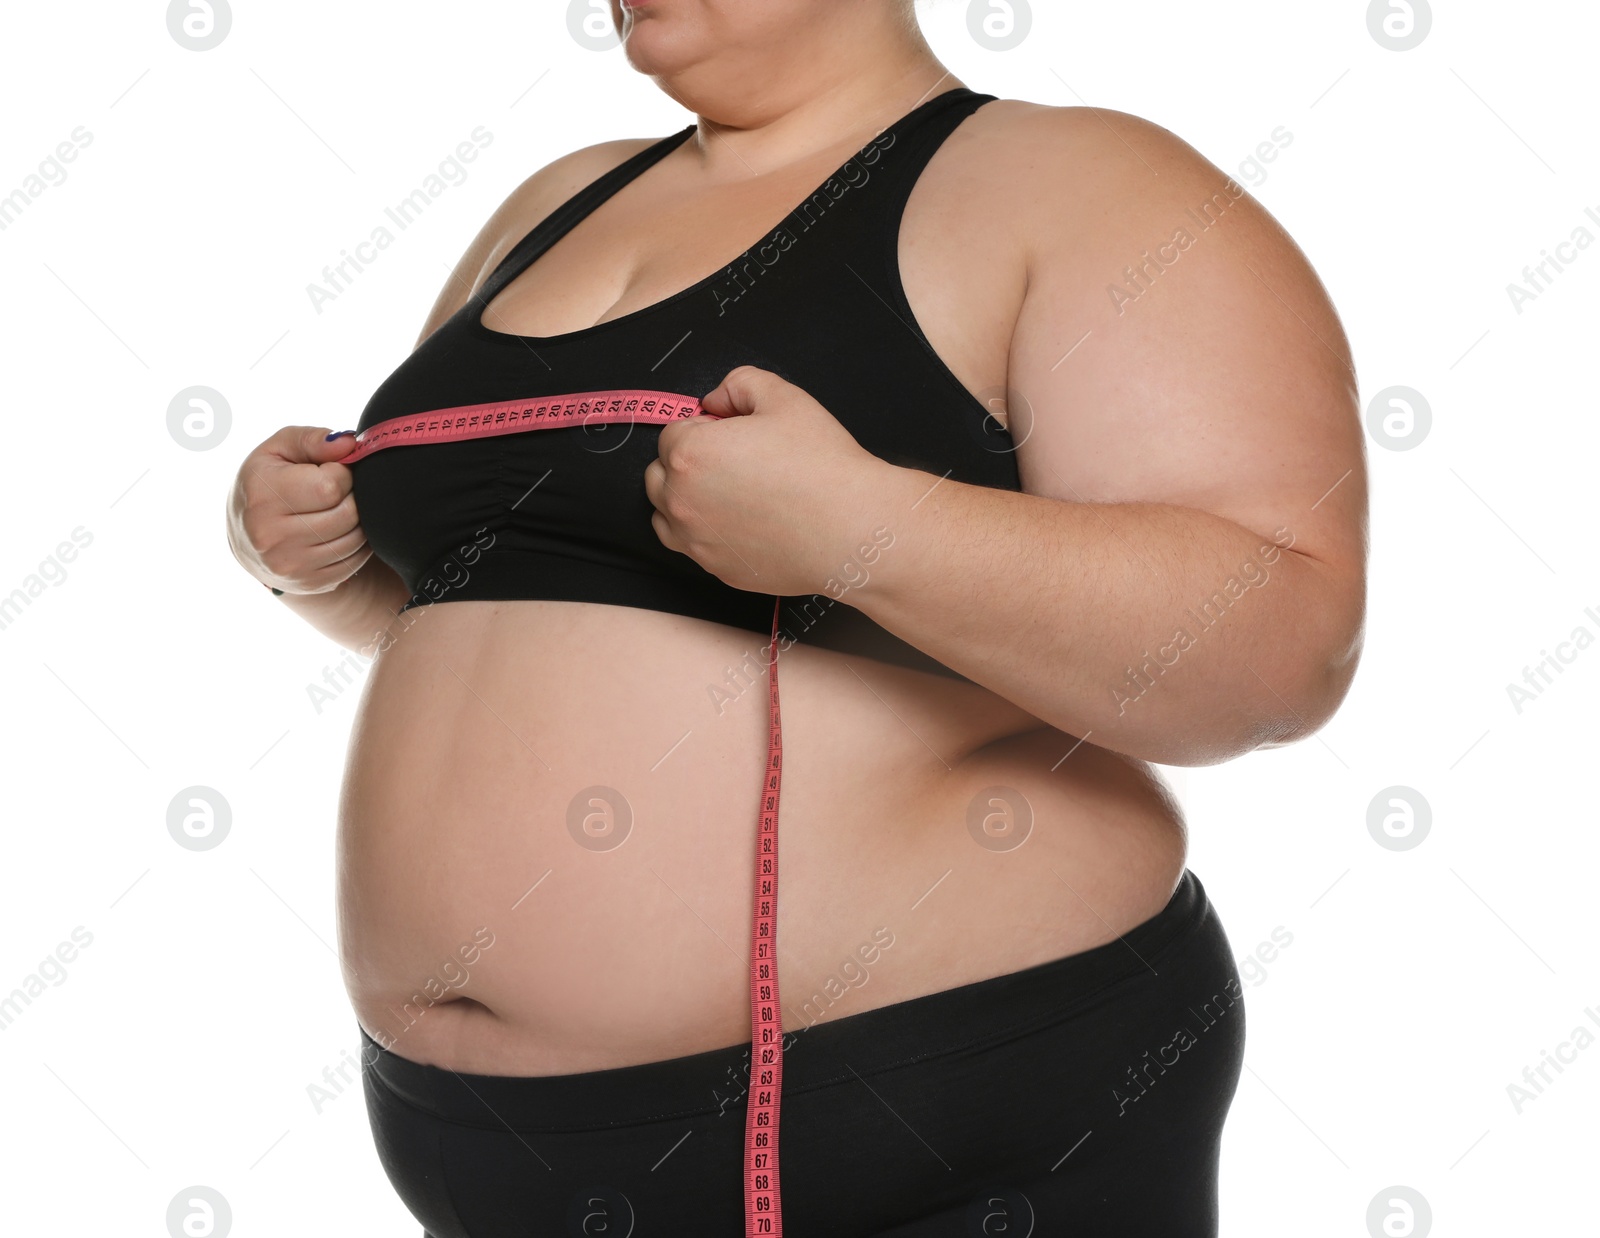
(292, 519)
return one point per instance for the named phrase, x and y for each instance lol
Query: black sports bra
(562, 513)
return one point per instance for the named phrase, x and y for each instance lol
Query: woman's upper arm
(1175, 346)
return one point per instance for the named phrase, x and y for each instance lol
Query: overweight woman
(905, 465)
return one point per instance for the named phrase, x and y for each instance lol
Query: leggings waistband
(966, 1018)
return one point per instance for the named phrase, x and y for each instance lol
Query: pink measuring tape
(763, 1212)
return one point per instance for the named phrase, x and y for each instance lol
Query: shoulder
(1092, 189)
(1104, 172)
(1104, 205)
(1085, 145)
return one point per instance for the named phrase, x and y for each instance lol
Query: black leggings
(1082, 1096)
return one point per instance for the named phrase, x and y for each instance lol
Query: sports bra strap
(914, 138)
(570, 213)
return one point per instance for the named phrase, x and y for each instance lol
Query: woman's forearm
(359, 612)
(1166, 633)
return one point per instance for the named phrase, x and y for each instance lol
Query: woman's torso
(491, 922)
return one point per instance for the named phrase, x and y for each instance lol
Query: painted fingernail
(337, 433)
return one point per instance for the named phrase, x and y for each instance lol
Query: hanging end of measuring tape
(763, 1195)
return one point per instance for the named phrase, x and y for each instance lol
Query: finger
(298, 554)
(292, 542)
(336, 573)
(674, 439)
(322, 528)
(740, 391)
(655, 482)
(282, 535)
(304, 488)
(664, 533)
(309, 444)
(340, 548)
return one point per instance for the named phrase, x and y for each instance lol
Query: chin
(669, 37)
(662, 43)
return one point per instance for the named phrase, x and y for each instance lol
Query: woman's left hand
(768, 491)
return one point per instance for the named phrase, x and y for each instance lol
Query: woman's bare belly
(490, 921)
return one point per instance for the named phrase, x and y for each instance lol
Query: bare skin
(481, 722)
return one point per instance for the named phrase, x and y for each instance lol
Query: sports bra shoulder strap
(570, 213)
(901, 152)
(872, 188)
(932, 121)
(911, 140)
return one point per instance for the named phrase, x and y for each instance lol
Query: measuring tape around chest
(763, 1213)
(450, 425)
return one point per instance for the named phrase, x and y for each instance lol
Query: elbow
(1285, 712)
(1286, 691)
(1307, 706)
(1284, 717)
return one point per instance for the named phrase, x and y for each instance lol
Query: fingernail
(330, 437)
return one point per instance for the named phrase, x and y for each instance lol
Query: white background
(177, 252)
